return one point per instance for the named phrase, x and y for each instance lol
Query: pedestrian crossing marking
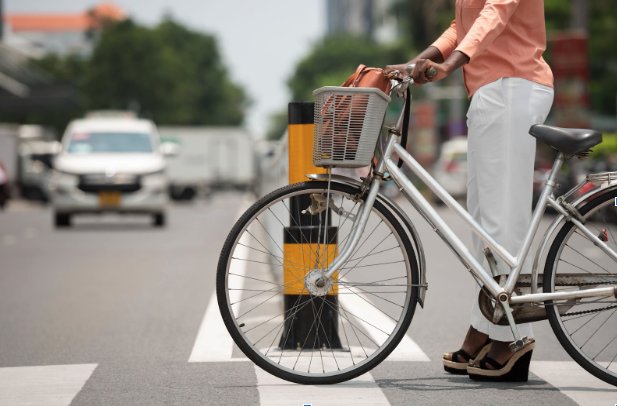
(360, 391)
(575, 382)
(49, 385)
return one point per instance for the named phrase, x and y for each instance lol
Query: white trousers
(501, 157)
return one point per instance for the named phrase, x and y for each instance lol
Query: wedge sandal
(460, 359)
(516, 369)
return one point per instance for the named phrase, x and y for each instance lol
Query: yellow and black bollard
(307, 325)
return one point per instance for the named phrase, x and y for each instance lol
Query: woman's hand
(402, 68)
(455, 61)
(419, 72)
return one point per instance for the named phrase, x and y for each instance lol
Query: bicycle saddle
(566, 140)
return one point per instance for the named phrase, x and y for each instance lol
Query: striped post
(301, 330)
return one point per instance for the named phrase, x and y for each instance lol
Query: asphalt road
(120, 305)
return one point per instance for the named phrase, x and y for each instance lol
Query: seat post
(555, 170)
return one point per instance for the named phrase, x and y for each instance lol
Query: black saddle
(566, 140)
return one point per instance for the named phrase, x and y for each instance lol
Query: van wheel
(159, 219)
(62, 220)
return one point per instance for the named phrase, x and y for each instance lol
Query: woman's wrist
(456, 60)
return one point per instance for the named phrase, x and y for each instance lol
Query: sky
(261, 40)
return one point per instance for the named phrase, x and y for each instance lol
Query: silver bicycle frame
(387, 164)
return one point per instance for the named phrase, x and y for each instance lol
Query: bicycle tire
(549, 274)
(233, 328)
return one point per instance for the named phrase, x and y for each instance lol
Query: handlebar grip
(429, 73)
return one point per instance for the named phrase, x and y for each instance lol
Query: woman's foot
(457, 362)
(514, 369)
(500, 352)
(474, 341)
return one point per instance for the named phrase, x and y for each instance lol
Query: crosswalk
(576, 383)
(50, 385)
(360, 392)
(566, 376)
(411, 373)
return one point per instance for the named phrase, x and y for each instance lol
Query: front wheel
(587, 327)
(288, 320)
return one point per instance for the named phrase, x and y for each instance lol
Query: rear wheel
(586, 328)
(271, 300)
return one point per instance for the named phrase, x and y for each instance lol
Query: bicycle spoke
(375, 294)
(355, 266)
(611, 315)
(308, 334)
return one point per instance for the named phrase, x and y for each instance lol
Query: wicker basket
(348, 122)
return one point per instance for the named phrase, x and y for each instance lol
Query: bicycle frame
(387, 164)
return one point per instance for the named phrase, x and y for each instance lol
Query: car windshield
(101, 142)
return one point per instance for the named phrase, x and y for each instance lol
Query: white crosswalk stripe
(50, 385)
(213, 342)
(576, 383)
(360, 391)
(407, 350)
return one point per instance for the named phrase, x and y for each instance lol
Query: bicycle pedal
(520, 344)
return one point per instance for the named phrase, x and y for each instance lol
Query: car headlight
(63, 182)
(155, 180)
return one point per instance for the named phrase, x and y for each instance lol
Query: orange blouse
(502, 38)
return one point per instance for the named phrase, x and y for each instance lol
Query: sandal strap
(490, 361)
(466, 357)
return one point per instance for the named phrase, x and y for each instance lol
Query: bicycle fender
(400, 213)
(558, 221)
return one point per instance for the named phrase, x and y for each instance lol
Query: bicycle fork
(358, 229)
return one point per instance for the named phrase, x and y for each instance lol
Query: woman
(499, 44)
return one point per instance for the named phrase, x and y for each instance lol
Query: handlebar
(429, 73)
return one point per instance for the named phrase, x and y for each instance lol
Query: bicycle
(332, 292)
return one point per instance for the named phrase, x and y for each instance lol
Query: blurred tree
(331, 61)
(334, 59)
(607, 149)
(603, 60)
(422, 22)
(277, 125)
(56, 79)
(169, 73)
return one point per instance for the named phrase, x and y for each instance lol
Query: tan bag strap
(353, 78)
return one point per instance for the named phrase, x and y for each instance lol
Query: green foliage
(603, 59)
(607, 149)
(557, 15)
(277, 125)
(334, 59)
(69, 69)
(169, 73)
(423, 21)
(331, 61)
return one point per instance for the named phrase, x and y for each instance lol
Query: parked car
(109, 164)
(35, 160)
(450, 170)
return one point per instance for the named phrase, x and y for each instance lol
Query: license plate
(109, 198)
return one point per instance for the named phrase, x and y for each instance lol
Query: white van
(109, 164)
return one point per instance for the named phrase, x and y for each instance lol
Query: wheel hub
(317, 283)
